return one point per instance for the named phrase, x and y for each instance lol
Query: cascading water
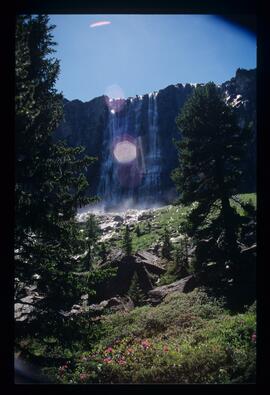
(130, 160)
(151, 188)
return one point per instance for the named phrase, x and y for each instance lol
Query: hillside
(187, 337)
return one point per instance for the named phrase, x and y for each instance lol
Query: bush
(189, 338)
(214, 358)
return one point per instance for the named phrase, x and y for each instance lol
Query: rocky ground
(151, 224)
(147, 262)
(146, 259)
(111, 222)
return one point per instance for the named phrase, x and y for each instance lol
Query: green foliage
(103, 251)
(168, 277)
(138, 231)
(170, 216)
(166, 250)
(135, 291)
(190, 338)
(49, 183)
(127, 242)
(179, 268)
(181, 257)
(211, 149)
(91, 233)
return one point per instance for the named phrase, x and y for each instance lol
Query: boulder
(150, 261)
(118, 218)
(144, 263)
(177, 239)
(116, 303)
(114, 258)
(24, 310)
(186, 284)
(145, 215)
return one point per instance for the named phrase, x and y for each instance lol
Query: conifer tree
(167, 245)
(210, 151)
(103, 251)
(92, 232)
(135, 291)
(127, 242)
(138, 231)
(49, 179)
(181, 259)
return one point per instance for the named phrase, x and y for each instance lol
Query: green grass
(171, 217)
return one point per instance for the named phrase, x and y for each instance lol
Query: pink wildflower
(145, 344)
(108, 350)
(62, 369)
(107, 360)
(122, 362)
(165, 349)
(253, 337)
(84, 376)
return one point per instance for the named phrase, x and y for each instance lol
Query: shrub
(189, 338)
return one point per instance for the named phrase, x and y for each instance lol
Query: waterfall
(150, 188)
(119, 181)
(136, 182)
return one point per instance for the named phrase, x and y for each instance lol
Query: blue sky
(143, 53)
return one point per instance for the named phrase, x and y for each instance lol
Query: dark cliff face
(240, 93)
(84, 125)
(92, 125)
(170, 101)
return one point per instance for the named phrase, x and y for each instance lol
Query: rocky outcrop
(116, 303)
(186, 284)
(146, 265)
(240, 93)
(24, 310)
(94, 311)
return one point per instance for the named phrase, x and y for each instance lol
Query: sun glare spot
(125, 151)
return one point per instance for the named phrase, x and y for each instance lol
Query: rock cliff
(133, 140)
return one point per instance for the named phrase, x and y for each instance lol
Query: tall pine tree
(127, 242)
(166, 250)
(49, 181)
(210, 151)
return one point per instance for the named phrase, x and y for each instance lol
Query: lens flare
(129, 175)
(100, 23)
(125, 151)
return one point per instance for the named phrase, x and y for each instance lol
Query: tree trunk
(227, 214)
